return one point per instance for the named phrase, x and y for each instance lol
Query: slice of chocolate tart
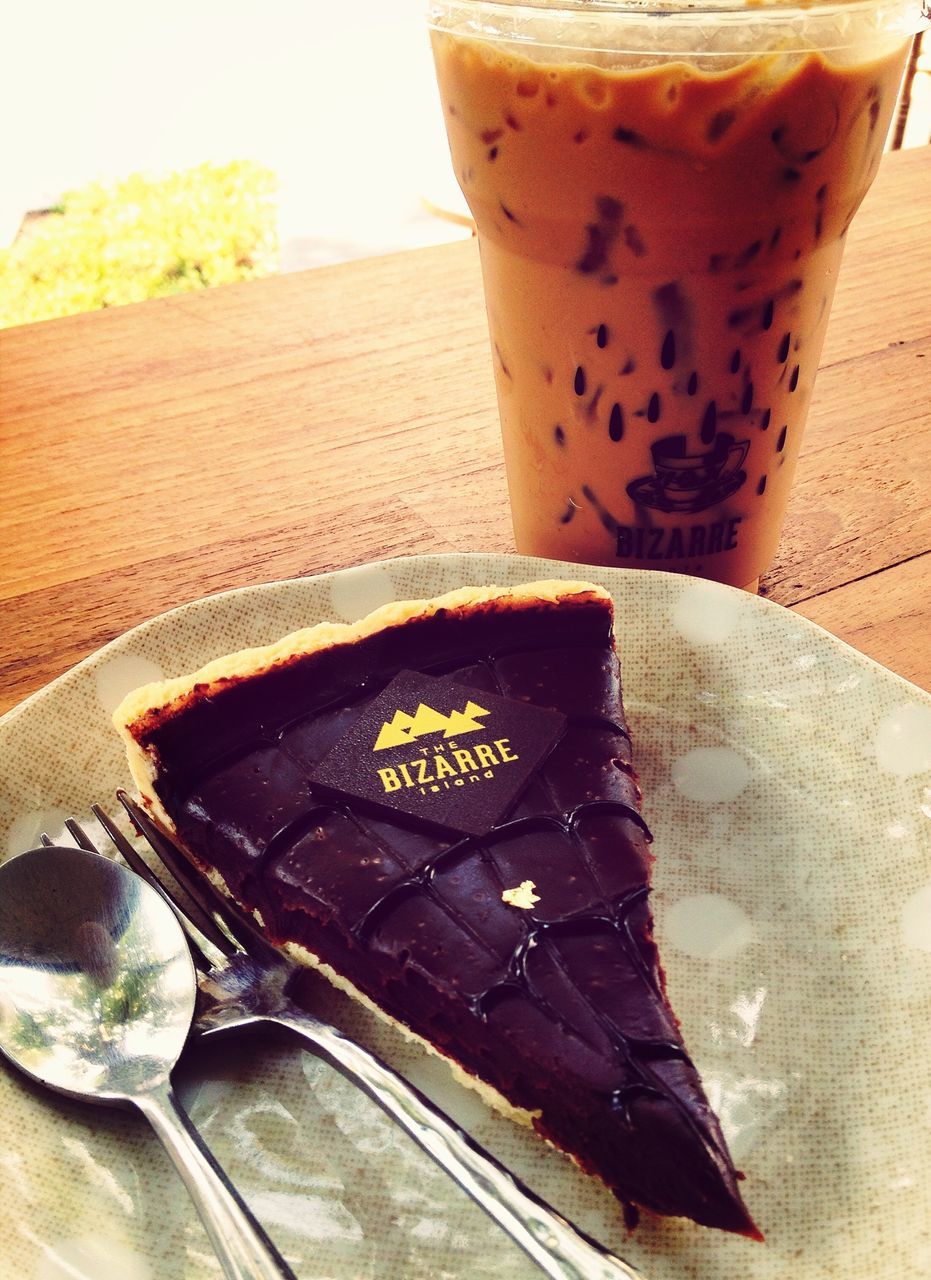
(437, 806)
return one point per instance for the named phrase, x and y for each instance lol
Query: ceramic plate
(788, 782)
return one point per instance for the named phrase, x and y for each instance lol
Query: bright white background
(337, 97)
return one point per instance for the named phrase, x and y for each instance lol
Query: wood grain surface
(155, 453)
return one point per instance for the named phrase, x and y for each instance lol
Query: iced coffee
(660, 235)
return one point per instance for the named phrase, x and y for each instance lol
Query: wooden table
(155, 453)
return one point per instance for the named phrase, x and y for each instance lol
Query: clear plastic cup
(661, 197)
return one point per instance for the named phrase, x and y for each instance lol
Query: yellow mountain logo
(403, 728)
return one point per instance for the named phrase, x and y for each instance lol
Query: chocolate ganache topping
(444, 810)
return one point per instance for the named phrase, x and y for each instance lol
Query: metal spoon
(97, 994)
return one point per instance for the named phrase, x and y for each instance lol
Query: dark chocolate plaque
(440, 751)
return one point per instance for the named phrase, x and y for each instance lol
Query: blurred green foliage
(142, 238)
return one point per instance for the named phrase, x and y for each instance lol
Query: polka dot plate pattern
(788, 783)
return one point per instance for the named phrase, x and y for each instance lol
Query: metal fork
(245, 982)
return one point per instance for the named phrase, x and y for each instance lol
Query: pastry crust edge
(161, 696)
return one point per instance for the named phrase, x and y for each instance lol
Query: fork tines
(239, 931)
(191, 905)
(196, 928)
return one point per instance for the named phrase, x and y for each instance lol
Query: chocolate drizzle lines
(614, 920)
(292, 832)
(423, 877)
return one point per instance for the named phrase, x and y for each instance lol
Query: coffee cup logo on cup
(691, 482)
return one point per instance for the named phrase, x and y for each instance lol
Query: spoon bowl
(97, 994)
(97, 987)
